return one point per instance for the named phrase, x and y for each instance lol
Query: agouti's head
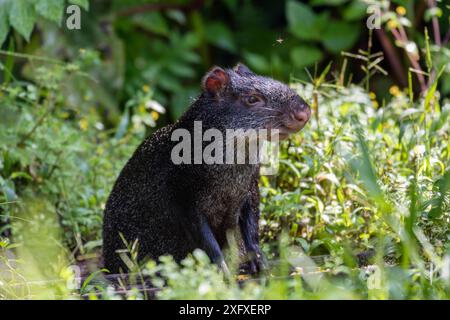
(251, 101)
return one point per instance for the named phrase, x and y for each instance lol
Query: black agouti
(175, 208)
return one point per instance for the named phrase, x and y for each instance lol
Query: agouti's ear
(243, 70)
(215, 80)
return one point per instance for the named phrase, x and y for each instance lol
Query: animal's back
(139, 206)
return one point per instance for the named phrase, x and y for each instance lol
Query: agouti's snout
(299, 114)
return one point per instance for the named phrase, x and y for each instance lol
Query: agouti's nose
(299, 118)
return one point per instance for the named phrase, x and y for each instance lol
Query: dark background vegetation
(170, 45)
(370, 172)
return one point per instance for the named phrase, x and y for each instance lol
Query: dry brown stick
(392, 56)
(435, 22)
(401, 36)
(447, 37)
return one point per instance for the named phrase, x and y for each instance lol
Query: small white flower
(418, 150)
(155, 105)
(99, 126)
(204, 288)
(411, 47)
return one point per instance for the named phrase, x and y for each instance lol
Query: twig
(30, 57)
(36, 125)
(401, 36)
(369, 52)
(392, 56)
(447, 37)
(435, 22)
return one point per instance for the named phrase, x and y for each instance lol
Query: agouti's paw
(256, 265)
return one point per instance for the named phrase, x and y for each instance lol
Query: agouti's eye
(252, 100)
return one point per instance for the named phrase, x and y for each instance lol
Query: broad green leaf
(22, 17)
(9, 190)
(189, 41)
(219, 35)
(177, 16)
(51, 9)
(304, 56)
(82, 3)
(191, 56)
(355, 11)
(152, 21)
(340, 36)
(181, 69)
(302, 21)
(256, 61)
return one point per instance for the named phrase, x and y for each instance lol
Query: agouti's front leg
(210, 245)
(248, 224)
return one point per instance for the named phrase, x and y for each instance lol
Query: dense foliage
(369, 174)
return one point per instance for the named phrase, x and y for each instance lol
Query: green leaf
(9, 63)
(181, 69)
(4, 27)
(92, 276)
(302, 21)
(327, 2)
(22, 17)
(220, 36)
(82, 3)
(50, 9)
(20, 174)
(152, 21)
(5, 7)
(123, 125)
(355, 11)
(446, 84)
(432, 90)
(304, 56)
(339, 36)
(256, 61)
(9, 191)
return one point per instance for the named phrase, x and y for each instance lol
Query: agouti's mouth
(283, 136)
(283, 133)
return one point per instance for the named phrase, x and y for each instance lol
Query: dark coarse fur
(161, 204)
